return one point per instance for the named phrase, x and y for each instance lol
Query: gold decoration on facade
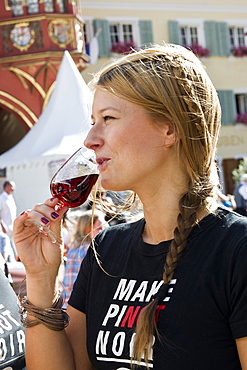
(24, 74)
(60, 32)
(22, 36)
(12, 108)
(20, 104)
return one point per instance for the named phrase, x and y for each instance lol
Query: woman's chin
(110, 185)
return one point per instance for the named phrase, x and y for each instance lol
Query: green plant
(240, 170)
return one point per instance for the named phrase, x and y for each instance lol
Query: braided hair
(171, 84)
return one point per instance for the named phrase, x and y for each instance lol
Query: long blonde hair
(83, 229)
(170, 82)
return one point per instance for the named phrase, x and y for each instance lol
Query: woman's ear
(170, 136)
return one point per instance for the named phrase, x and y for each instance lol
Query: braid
(185, 221)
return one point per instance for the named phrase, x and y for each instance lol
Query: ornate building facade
(33, 37)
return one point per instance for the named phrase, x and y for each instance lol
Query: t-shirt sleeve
(238, 288)
(80, 288)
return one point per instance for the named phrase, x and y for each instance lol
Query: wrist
(42, 292)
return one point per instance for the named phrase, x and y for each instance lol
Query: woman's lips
(102, 162)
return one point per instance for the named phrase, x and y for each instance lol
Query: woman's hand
(39, 255)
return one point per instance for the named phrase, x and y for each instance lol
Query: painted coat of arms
(60, 32)
(22, 36)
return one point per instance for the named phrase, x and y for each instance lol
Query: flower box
(240, 51)
(241, 118)
(122, 47)
(198, 50)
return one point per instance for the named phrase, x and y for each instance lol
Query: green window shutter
(223, 39)
(103, 37)
(174, 32)
(227, 102)
(146, 33)
(211, 37)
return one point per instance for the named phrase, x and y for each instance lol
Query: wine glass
(71, 184)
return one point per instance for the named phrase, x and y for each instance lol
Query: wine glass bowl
(71, 185)
(73, 182)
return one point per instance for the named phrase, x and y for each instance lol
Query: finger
(39, 214)
(45, 213)
(19, 221)
(53, 210)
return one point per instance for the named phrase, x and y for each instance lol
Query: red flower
(241, 118)
(198, 50)
(239, 51)
(122, 47)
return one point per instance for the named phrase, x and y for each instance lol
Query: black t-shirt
(12, 334)
(203, 313)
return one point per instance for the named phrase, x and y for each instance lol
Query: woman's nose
(93, 140)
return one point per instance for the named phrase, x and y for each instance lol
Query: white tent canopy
(58, 133)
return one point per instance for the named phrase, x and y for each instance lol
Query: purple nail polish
(54, 215)
(44, 220)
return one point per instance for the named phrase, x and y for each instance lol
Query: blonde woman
(88, 225)
(168, 291)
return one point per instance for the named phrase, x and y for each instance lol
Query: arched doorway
(11, 130)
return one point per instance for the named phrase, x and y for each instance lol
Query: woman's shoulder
(223, 217)
(227, 228)
(232, 219)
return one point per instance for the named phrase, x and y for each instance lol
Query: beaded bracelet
(54, 318)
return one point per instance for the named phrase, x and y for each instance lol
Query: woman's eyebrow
(107, 108)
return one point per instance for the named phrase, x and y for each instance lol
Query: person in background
(8, 210)
(88, 226)
(66, 232)
(5, 246)
(168, 291)
(227, 201)
(240, 194)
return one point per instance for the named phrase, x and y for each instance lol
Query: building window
(237, 36)
(241, 107)
(49, 7)
(189, 35)
(32, 6)
(17, 7)
(121, 32)
(241, 103)
(61, 6)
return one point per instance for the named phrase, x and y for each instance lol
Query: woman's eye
(107, 118)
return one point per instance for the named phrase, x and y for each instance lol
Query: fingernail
(22, 213)
(51, 199)
(44, 220)
(54, 215)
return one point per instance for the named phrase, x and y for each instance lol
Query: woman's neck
(161, 219)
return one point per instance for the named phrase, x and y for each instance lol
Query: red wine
(74, 192)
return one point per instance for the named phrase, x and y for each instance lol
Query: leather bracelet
(54, 318)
